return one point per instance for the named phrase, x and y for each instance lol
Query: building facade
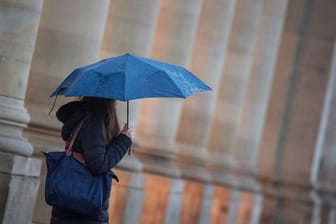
(259, 148)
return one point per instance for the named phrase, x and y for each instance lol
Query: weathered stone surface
(135, 198)
(174, 201)
(207, 202)
(19, 183)
(19, 23)
(18, 29)
(206, 62)
(174, 36)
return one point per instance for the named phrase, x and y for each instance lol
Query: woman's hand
(128, 132)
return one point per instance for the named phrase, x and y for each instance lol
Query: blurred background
(259, 148)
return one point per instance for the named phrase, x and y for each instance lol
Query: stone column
(19, 173)
(257, 208)
(135, 198)
(207, 62)
(158, 121)
(207, 202)
(130, 29)
(317, 210)
(252, 115)
(233, 207)
(324, 161)
(294, 111)
(67, 38)
(174, 201)
(233, 85)
(332, 217)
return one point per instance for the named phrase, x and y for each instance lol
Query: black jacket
(99, 157)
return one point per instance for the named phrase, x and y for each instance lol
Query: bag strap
(68, 147)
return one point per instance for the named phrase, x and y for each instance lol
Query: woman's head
(104, 110)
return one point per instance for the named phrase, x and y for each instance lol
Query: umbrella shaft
(127, 114)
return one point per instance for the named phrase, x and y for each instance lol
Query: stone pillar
(324, 159)
(207, 61)
(232, 89)
(252, 115)
(158, 121)
(234, 207)
(130, 29)
(19, 182)
(324, 162)
(257, 208)
(174, 201)
(134, 201)
(19, 173)
(67, 38)
(294, 111)
(316, 213)
(332, 217)
(207, 202)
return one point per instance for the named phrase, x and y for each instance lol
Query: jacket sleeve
(98, 157)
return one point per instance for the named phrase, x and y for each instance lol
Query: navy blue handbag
(70, 185)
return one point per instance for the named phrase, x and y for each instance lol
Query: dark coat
(98, 156)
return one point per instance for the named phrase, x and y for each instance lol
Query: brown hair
(104, 110)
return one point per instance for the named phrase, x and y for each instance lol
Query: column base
(157, 164)
(221, 169)
(13, 118)
(130, 163)
(192, 162)
(283, 196)
(19, 183)
(194, 172)
(224, 178)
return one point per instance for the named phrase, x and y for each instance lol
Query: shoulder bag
(70, 185)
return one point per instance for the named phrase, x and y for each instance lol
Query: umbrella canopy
(127, 77)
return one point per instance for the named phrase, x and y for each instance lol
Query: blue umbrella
(128, 77)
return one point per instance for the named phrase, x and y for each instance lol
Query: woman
(99, 140)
